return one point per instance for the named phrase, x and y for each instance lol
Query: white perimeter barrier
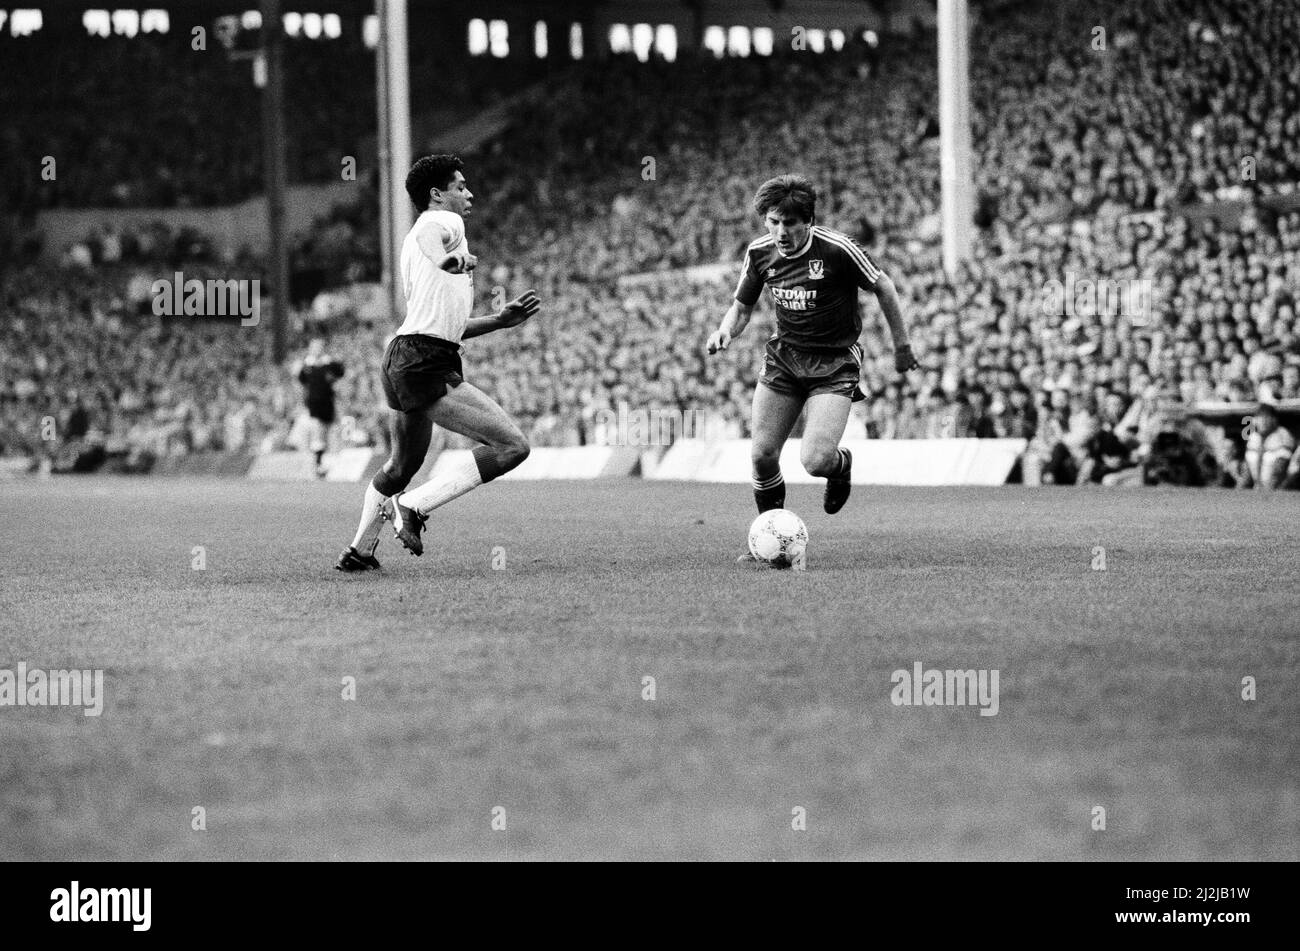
(558, 462)
(875, 461)
(12, 467)
(345, 465)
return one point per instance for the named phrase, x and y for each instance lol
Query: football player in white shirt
(422, 374)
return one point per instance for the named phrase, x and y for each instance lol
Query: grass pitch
(521, 686)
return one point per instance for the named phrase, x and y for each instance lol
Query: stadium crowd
(1102, 165)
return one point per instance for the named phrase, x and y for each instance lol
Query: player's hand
(718, 340)
(904, 360)
(459, 262)
(520, 309)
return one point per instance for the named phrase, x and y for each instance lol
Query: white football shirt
(438, 303)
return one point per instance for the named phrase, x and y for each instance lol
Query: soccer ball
(778, 537)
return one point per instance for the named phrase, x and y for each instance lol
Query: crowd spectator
(1270, 459)
(1093, 164)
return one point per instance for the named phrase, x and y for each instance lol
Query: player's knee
(820, 461)
(395, 476)
(513, 453)
(765, 458)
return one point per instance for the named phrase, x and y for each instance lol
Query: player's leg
(411, 433)
(467, 411)
(311, 438)
(317, 441)
(832, 382)
(820, 450)
(775, 413)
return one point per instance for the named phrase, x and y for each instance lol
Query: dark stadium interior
(1129, 171)
(1127, 321)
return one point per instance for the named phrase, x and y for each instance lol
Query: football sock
(842, 467)
(452, 484)
(368, 532)
(320, 454)
(769, 492)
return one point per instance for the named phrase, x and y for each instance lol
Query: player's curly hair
(787, 193)
(432, 171)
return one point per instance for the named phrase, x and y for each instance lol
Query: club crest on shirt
(816, 270)
(771, 272)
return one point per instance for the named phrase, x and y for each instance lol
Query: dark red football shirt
(815, 289)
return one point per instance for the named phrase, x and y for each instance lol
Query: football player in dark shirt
(318, 372)
(813, 359)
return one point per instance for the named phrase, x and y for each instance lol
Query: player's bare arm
(522, 308)
(458, 262)
(433, 242)
(887, 294)
(733, 325)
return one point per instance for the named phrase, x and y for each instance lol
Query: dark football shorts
(805, 373)
(418, 370)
